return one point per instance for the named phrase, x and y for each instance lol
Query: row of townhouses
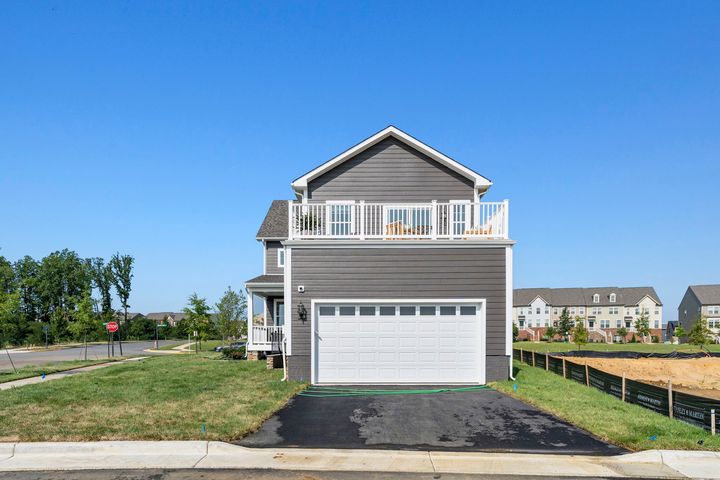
(604, 310)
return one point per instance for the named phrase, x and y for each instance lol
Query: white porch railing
(394, 221)
(266, 338)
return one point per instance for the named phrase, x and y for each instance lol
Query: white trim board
(481, 183)
(396, 301)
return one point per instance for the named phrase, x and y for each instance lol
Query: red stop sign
(112, 327)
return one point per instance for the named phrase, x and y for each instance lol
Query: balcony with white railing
(358, 220)
(266, 338)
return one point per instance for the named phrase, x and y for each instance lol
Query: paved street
(95, 352)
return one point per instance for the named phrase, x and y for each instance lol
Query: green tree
(622, 332)
(699, 333)
(515, 333)
(642, 325)
(85, 321)
(679, 332)
(9, 307)
(198, 318)
(122, 275)
(580, 333)
(103, 279)
(231, 310)
(142, 328)
(550, 332)
(7, 276)
(565, 325)
(26, 272)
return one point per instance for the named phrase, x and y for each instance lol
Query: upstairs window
(596, 298)
(714, 309)
(281, 257)
(613, 298)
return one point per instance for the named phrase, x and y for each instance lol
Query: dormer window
(596, 298)
(613, 298)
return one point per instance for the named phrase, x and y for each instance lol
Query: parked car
(232, 345)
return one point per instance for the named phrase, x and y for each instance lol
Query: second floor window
(281, 257)
(714, 309)
(537, 310)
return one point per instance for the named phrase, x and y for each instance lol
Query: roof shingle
(275, 224)
(707, 294)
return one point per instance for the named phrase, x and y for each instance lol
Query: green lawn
(611, 347)
(160, 398)
(36, 370)
(623, 424)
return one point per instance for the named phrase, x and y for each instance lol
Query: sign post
(111, 327)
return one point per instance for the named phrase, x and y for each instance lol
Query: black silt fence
(688, 408)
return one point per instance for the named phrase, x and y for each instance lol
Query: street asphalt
(254, 474)
(480, 420)
(95, 352)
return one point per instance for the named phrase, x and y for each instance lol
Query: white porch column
(249, 318)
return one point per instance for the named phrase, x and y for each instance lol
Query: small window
(387, 310)
(618, 323)
(613, 298)
(449, 311)
(407, 310)
(537, 310)
(281, 257)
(327, 310)
(347, 311)
(596, 298)
(367, 311)
(427, 310)
(468, 310)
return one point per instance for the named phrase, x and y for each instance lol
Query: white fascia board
(403, 244)
(481, 183)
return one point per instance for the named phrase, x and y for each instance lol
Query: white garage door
(440, 343)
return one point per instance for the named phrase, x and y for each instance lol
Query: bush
(655, 339)
(233, 353)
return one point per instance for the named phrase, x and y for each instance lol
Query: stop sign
(112, 327)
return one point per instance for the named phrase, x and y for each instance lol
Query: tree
(85, 321)
(198, 317)
(565, 325)
(121, 266)
(9, 307)
(622, 332)
(550, 332)
(26, 272)
(679, 332)
(231, 309)
(642, 325)
(580, 333)
(103, 279)
(515, 333)
(700, 333)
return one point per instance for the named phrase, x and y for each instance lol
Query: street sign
(112, 327)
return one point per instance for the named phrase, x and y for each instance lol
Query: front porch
(266, 332)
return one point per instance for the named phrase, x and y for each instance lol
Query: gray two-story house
(701, 301)
(387, 268)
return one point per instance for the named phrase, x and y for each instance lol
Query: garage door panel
(418, 348)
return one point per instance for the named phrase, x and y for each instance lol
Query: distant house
(120, 316)
(701, 300)
(670, 330)
(172, 318)
(604, 310)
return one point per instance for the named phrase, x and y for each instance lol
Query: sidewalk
(213, 455)
(65, 373)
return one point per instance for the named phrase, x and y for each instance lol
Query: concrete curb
(210, 455)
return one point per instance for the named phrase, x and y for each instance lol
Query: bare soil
(697, 376)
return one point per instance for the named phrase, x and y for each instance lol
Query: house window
(555, 311)
(637, 310)
(547, 310)
(341, 218)
(618, 323)
(604, 323)
(281, 257)
(572, 311)
(657, 324)
(529, 323)
(657, 311)
(537, 310)
(627, 311)
(713, 323)
(596, 298)
(582, 310)
(279, 313)
(714, 309)
(613, 298)
(614, 311)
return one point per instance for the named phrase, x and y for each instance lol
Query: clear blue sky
(164, 129)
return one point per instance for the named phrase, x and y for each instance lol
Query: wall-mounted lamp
(302, 313)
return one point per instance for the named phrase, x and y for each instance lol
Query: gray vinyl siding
(391, 273)
(691, 304)
(271, 259)
(391, 171)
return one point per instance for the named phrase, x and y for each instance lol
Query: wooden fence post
(587, 374)
(521, 356)
(712, 421)
(564, 376)
(623, 387)
(533, 354)
(547, 362)
(670, 400)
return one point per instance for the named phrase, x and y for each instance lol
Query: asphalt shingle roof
(584, 296)
(275, 224)
(267, 279)
(707, 294)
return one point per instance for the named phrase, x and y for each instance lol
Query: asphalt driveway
(479, 420)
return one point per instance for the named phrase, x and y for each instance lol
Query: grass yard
(160, 398)
(623, 424)
(611, 347)
(36, 370)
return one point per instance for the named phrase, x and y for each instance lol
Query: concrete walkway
(215, 455)
(66, 373)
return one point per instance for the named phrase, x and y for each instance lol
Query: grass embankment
(36, 370)
(621, 423)
(160, 398)
(612, 347)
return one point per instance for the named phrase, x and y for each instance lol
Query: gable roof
(707, 294)
(481, 183)
(564, 297)
(275, 224)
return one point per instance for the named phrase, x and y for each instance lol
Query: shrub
(233, 353)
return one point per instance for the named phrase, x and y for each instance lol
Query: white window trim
(596, 298)
(279, 263)
(613, 298)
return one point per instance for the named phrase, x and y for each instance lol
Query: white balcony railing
(393, 221)
(266, 338)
